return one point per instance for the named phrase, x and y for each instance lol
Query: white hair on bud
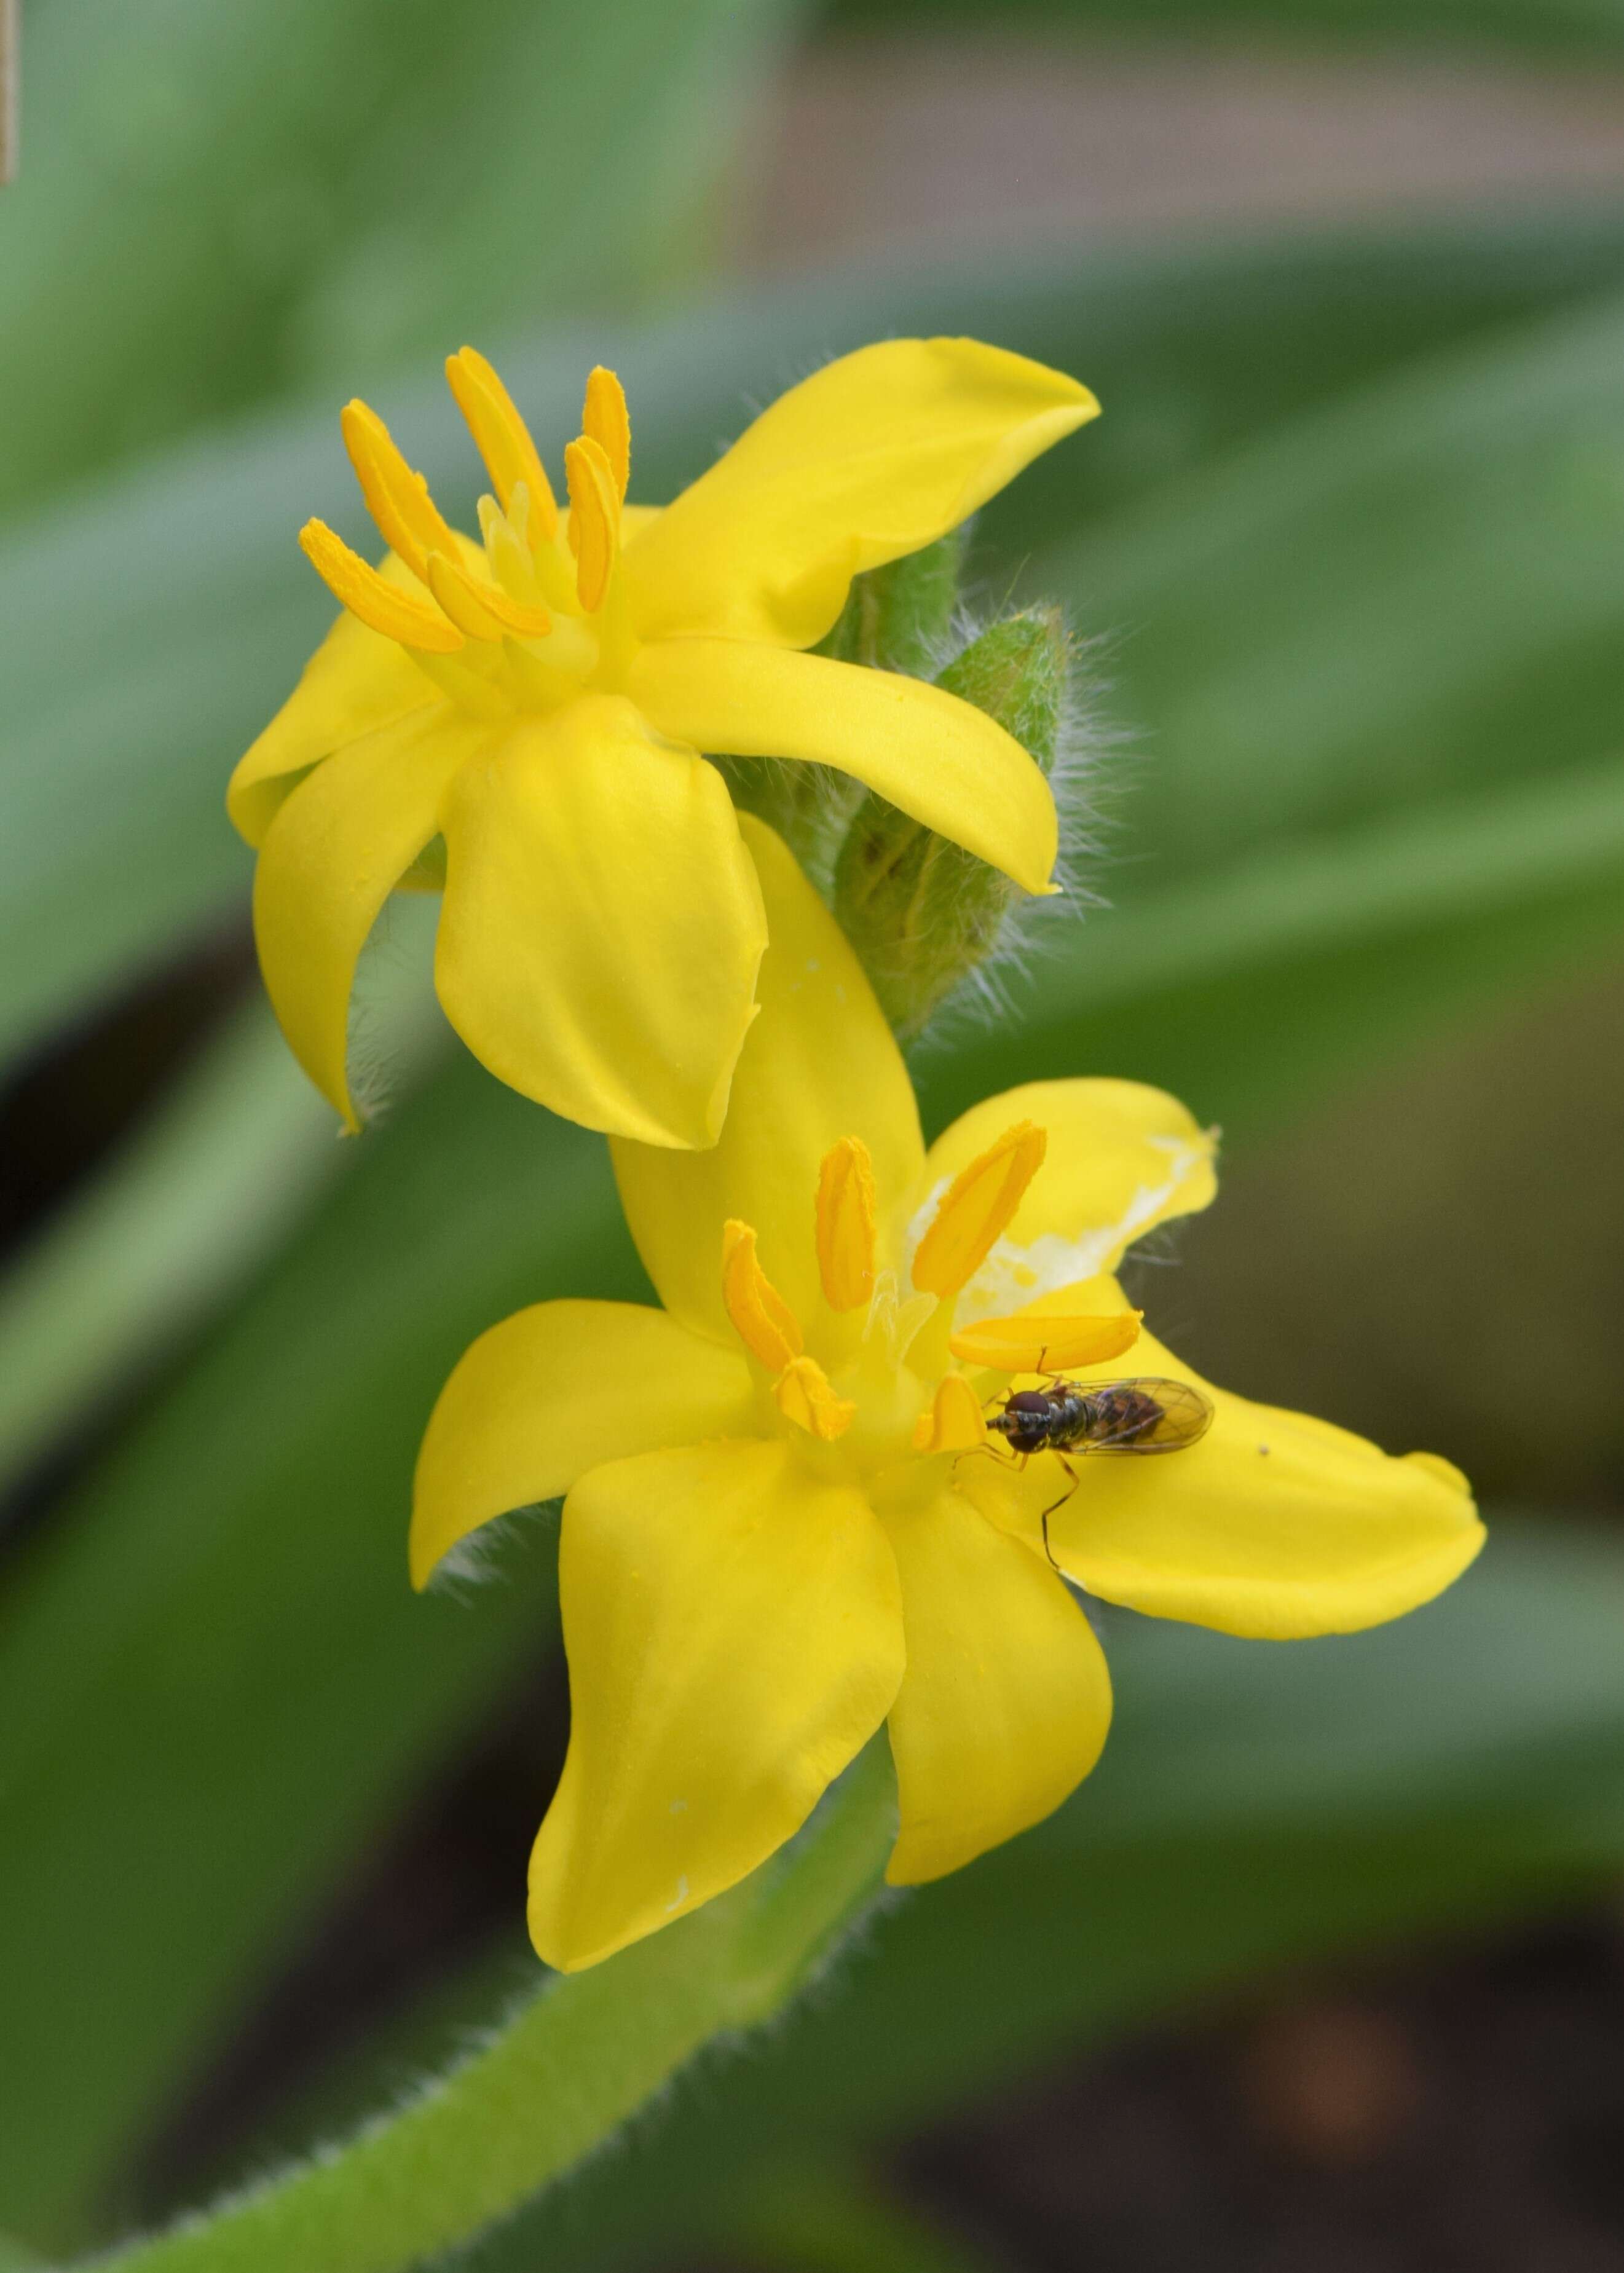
(481, 1559)
(1033, 928)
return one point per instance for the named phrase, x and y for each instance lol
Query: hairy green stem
(556, 2081)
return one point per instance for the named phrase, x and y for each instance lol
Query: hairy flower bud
(924, 913)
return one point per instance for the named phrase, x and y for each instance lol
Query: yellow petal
(803, 1395)
(976, 1208)
(1040, 1342)
(1006, 1700)
(871, 457)
(758, 1312)
(846, 1216)
(820, 1064)
(955, 1422)
(1275, 1525)
(330, 859)
(941, 760)
(734, 1628)
(1121, 1160)
(602, 926)
(552, 1391)
(356, 682)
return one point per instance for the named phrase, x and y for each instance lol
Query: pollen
(606, 420)
(1031, 1343)
(846, 1218)
(954, 1422)
(398, 499)
(760, 1317)
(977, 1207)
(483, 611)
(398, 615)
(594, 519)
(503, 440)
(803, 1396)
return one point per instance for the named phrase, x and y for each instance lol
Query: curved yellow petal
(869, 458)
(552, 1391)
(356, 682)
(819, 1065)
(602, 925)
(330, 859)
(1275, 1525)
(941, 760)
(1121, 1158)
(733, 1627)
(1006, 1700)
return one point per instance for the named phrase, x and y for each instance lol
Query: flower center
(881, 1389)
(536, 616)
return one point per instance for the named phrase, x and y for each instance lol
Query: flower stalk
(565, 2071)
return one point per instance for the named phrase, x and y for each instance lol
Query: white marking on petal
(1012, 1277)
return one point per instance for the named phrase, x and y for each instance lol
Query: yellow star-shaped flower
(522, 722)
(787, 1521)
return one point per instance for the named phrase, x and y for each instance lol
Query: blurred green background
(1323, 1967)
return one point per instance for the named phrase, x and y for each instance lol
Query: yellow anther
(502, 439)
(845, 1224)
(398, 499)
(606, 420)
(762, 1318)
(483, 611)
(976, 1207)
(594, 519)
(1031, 1343)
(954, 1422)
(398, 615)
(803, 1395)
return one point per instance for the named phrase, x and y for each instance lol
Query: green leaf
(214, 1681)
(1286, 970)
(218, 206)
(113, 847)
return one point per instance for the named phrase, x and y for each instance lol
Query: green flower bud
(898, 618)
(924, 913)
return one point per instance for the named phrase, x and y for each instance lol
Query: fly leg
(1054, 1507)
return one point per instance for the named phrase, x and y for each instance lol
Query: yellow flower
(520, 723)
(784, 1525)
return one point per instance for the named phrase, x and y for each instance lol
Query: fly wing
(1183, 1415)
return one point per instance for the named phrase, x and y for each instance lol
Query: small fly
(1145, 1414)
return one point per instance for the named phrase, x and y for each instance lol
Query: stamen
(607, 422)
(1030, 1343)
(803, 1395)
(483, 611)
(594, 519)
(398, 499)
(502, 439)
(976, 1208)
(398, 615)
(760, 1317)
(954, 1422)
(846, 1211)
